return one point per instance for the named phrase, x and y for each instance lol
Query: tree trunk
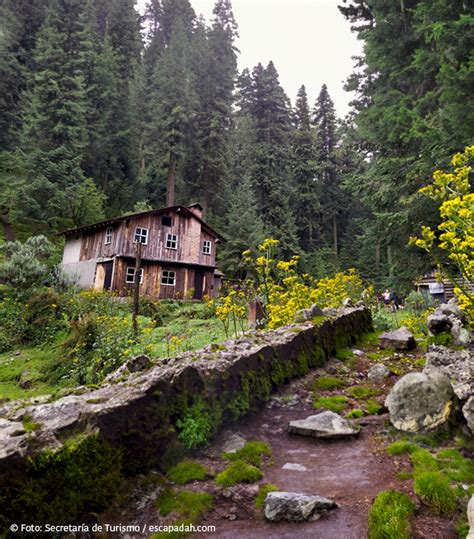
(136, 288)
(8, 233)
(334, 235)
(171, 183)
(389, 261)
(377, 258)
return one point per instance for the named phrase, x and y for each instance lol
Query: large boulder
(468, 412)
(421, 402)
(458, 365)
(295, 507)
(400, 339)
(323, 425)
(470, 518)
(439, 323)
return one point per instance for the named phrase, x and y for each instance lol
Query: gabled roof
(177, 209)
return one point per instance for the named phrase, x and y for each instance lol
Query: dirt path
(350, 471)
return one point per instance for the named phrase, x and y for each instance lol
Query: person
(386, 297)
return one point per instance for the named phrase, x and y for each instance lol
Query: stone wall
(137, 423)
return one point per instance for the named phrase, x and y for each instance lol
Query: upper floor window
(141, 235)
(171, 241)
(168, 277)
(166, 220)
(130, 276)
(108, 235)
(206, 247)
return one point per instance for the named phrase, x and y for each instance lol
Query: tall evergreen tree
(304, 171)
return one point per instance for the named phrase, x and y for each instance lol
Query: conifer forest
(105, 110)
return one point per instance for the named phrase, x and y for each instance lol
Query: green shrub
(185, 503)
(262, 494)
(238, 472)
(187, 471)
(434, 490)
(389, 516)
(13, 323)
(456, 467)
(335, 403)
(152, 308)
(43, 316)
(423, 461)
(401, 447)
(199, 424)
(327, 383)
(251, 453)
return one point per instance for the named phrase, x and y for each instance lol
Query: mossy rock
(238, 472)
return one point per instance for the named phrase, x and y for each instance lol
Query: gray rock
(295, 507)
(468, 413)
(305, 315)
(400, 339)
(360, 303)
(138, 363)
(330, 311)
(378, 372)
(232, 443)
(451, 309)
(294, 466)
(458, 365)
(348, 303)
(421, 402)
(470, 518)
(323, 425)
(461, 335)
(438, 323)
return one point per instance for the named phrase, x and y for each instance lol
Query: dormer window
(171, 241)
(206, 247)
(141, 235)
(108, 235)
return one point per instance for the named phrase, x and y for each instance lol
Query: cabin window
(168, 278)
(171, 241)
(206, 247)
(108, 235)
(166, 220)
(130, 276)
(141, 235)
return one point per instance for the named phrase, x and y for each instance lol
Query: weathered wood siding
(191, 238)
(151, 285)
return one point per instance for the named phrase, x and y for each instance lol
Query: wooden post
(136, 288)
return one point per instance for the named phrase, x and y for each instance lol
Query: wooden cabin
(178, 254)
(441, 290)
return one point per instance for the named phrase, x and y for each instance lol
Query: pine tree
(54, 133)
(304, 170)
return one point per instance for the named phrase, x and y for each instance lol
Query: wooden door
(108, 267)
(198, 282)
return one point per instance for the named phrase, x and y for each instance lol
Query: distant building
(178, 252)
(442, 290)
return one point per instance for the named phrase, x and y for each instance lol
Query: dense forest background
(105, 111)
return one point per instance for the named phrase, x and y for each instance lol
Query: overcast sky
(309, 42)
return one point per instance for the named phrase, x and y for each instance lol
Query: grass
(262, 494)
(403, 476)
(389, 516)
(344, 353)
(456, 467)
(327, 383)
(434, 490)
(423, 461)
(401, 447)
(335, 403)
(30, 425)
(372, 407)
(250, 453)
(356, 412)
(362, 392)
(238, 472)
(185, 503)
(187, 471)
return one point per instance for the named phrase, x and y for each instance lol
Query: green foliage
(362, 392)
(356, 412)
(185, 503)
(187, 471)
(372, 407)
(401, 447)
(456, 467)
(433, 489)
(250, 453)
(423, 460)
(238, 472)
(335, 403)
(198, 424)
(389, 516)
(327, 383)
(262, 494)
(25, 265)
(43, 316)
(82, 476)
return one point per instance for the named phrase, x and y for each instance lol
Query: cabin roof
(177, 209)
